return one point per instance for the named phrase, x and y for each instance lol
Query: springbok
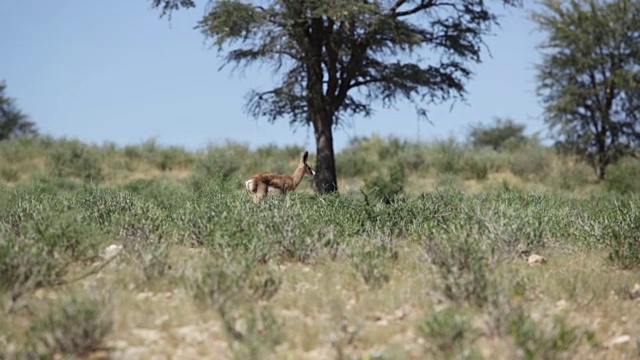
(263, 183)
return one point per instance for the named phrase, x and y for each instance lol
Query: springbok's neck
(298, 175)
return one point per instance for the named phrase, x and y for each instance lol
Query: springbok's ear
(305, 155)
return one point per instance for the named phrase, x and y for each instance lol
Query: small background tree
(502, 133)
(13, 122)
(589, 78)
(338, 57)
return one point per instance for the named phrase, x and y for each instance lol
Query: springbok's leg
(261, 191)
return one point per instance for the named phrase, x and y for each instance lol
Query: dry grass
(328, 312)
(331, 278)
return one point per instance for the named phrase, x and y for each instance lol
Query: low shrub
(73, 327)
(623, 177)
(77, 160)
(388, 189)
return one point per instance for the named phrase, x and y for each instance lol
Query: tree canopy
(503, 132)
(13, 122)
(339, 57)
(589, 78)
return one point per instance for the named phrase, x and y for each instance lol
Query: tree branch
(332, 61)
(396, 6)
(424, 5)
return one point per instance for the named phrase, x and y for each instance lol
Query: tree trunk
(326, 180)
(602, 156)
(320, 111)
(602, 167)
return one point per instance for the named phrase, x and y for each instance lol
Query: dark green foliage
(162, 192)
(536, 342)
(223, 162)
(73, 327)
(477, 166)
(624, 177)
(234, 287)
(384, 189)
(163, 158)
(502, 133)
(588, 79)
(351, 164)
(531, 162)
(16, 150)
(8, 174)
(622, 234)
(232, 280)
(571, 174)
(447, 330)
(27, 265)
(373, 261)
(41, 237)
(447, 157)
(463, 266)
(263, 332)
(149, 262)
(76, 160)
(13, 122)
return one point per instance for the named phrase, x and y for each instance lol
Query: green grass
(405, 272)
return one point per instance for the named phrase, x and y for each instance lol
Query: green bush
(477, 165)
(233, 281)
(624, 177)
(391, 149)
(571, 175)
(537, 342)
(463, 267)
(388, 189)
(41, 237)
(77, 160)
(447, 157)
(75, 326)
(373, 262)
(148, 262)
(502, 134)
(352, 164)
(15, 150)
(162, 192)
(259, 338)
(223, 161)
(531, 162)
(447, 330)
(168, 159)
(415, 157)
(9, 174)
(622, 234)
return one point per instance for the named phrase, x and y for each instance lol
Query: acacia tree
(503, 132)
(13, 122)
(589, 78)
(338, 57)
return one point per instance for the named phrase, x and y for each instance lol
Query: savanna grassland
(150, 252)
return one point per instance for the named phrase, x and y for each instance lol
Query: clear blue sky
(113, 71)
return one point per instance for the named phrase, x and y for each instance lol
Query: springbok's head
(308, 171)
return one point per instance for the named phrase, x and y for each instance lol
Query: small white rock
(111, 251)
(536, 259)
(382, 322)
(144, 295)
(618, 340)
(147, 335)
(635, 292)
(561, 304)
